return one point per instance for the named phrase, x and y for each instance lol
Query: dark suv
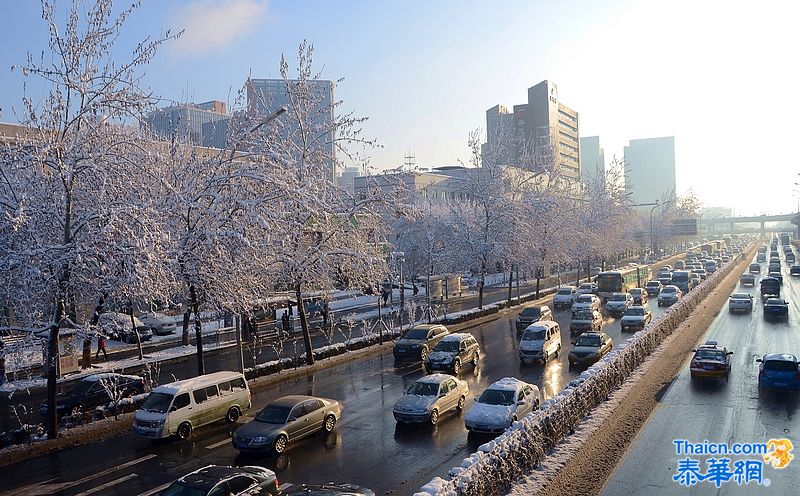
(95, 390)
(418, 341)
(531, 315)
(452, 352)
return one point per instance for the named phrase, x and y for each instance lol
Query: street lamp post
(654, 205)
(399, 257)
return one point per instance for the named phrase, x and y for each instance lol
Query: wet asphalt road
(735, 411)
(367, 446)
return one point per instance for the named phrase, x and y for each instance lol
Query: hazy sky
(721, 76)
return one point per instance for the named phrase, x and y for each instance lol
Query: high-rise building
(347, 178)
(593, 160)
(190, 123)
(650, 169)
(545, 131)
(265, 96)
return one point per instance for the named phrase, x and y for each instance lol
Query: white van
(180, 407)
(540, 341)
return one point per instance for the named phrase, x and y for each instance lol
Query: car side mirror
(572, 343)
(173, 409)
(520, 403)
(292, 419)
(759, 360)
(442, 395)
(694, 351)
(730, 353)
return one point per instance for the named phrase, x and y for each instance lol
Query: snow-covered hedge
(521, 448)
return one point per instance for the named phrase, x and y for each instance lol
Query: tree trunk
(52, 373)
(198, 331)
(135, 331)
(578, 275)
(510, 283)
(483, 281)
(301, 312)
(86, 360)
(185, 336)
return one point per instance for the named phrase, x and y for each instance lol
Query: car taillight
(762, 373)
(694, 364)
(277, 484)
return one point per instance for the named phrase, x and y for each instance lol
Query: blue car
(778, 371)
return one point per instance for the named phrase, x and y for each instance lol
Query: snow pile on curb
(523, 446)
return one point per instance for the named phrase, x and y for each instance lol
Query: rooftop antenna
(408, 164)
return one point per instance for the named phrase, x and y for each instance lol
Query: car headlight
(414, 346)
(447, 359)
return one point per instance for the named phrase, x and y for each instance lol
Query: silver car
(287, 419)
(501, 404)
(429, 397)
(586, 302)
(159, 323)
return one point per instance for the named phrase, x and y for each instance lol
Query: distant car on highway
(653, 288)
(747, 279)
(640, 295)
(740, 302)
(587, 288)
(777, 275)
(418, 341)
(755, 268)
(532, 314)
(770, 287)
(429, 397)
(501, 404)
(669, 295)
(586, 320)
(540, 341)
(635, 318)
(618, 302)
(776, 308)
(590, 347)
(711, 360)
(778, 371)
(586, 302)
(453, 352)
(286, 420)
(216, 480)
(564, 297)
(794, 270)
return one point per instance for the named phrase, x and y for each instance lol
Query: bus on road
(622, 280)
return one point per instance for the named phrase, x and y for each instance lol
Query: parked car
(653, 288)
(586, 320)
(635, 318)
(158, 323)
(286, 420)
(776, 308)
(532, 314)
(217, 480)
(118, 326)
(564, 297)
(747, 279)
(452, 352)
(429, 397)
(740, 302)
(618, 302)
(669, 295)
(540, 341)
(587, 288)
(711, 360)
(778, 371)
(586, 302)
(93, 391)
(640, 295)
(501, 404)
(418, 341)
(590, 347)
(328, 489)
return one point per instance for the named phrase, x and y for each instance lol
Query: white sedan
(501, 404)
(740, 302)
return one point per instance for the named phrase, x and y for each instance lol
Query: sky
(720, 76)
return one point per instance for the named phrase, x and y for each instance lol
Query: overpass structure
(787, 222)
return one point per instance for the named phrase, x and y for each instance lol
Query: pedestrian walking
(416, 290)
(101, 346)
(385, 295)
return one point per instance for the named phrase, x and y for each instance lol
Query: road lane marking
(107, 485)
(217, 445)
(43, 488)
(158, 489)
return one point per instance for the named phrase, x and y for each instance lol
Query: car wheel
(280, 444)
(558, 350)
(232, 415)
(456, 367)
(461, 402)
(423, 354)
(434, 417)
(475, 359)
(329, 424)
(184, 431)
(76, 409)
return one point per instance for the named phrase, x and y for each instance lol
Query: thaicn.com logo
(721, 463)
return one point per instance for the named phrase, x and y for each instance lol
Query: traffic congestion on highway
(423, 405)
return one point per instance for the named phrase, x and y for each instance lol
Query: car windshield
(680, 276)
(80, 388)
(709, 355)
(583, 316)
(274, 414)
(588, 341)
(584, 299)
(565, 291)
(448, 346)
(531, 312)
(424, 389)
(774, 302)
(635, 291)
(740, 296)
(534, 335)
(634, 311)
(180, 489)
(585, 286)
(497, 397)
(157, 402)
(417, 334)
(653, 284)
(668, 289)
(780, 365)
(618, 297)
